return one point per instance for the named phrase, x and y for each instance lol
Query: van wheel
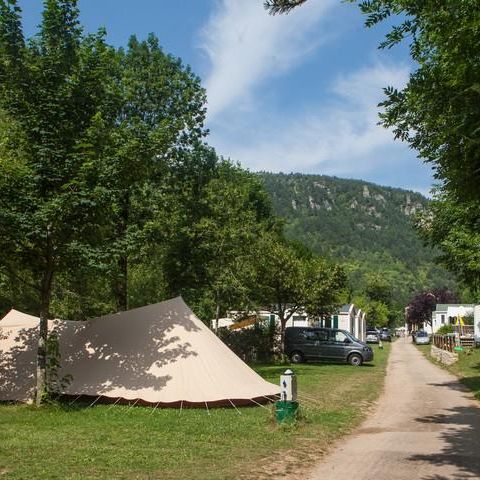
(296, 357)
(355, 359)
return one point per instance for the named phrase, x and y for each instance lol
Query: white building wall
(298, 319)
(361, 325)
(222, 322)
(449, 314)
(437, 321)
(344, 321)
(296, 322)
(476, 321)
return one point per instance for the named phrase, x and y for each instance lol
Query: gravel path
(426, 427)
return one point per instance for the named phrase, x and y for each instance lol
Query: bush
(444, 329)
(255, 344)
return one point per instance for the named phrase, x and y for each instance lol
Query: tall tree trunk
(283, 322)
(46, 291)
(217, 316)
(121, 284)
(120, 287)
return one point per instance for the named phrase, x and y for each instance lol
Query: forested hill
(366, 226)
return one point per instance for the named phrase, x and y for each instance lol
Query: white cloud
(340, 138)
(245, 47)
(249, 51)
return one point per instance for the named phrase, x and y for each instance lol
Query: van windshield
(353, 338)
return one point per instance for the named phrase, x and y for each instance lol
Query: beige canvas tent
(18, 346)
(161, 354)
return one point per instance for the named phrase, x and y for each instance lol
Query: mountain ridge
(366, 226)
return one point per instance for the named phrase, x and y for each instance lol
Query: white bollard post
(288, 386)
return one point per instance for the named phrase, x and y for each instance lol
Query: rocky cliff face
(360, 204)
(367, 226)
(342, 217)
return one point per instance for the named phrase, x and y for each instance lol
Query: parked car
(371, 336)
(422, 338)
(310, 343)
(385, 335)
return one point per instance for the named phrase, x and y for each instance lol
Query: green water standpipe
(286, 408)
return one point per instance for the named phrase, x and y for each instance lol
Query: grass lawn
(104, 442)
(467, 368)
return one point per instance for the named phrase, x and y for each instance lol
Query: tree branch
(12, 272)
(275, 7)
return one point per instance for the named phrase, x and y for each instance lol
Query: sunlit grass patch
(101, 442)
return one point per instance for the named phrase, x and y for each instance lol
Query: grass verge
(467, 369)
(61, 442)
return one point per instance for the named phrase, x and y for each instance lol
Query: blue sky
(294, 93)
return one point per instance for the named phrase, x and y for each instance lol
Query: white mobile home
(447, 314)
(348, 318)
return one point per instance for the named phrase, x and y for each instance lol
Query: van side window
(316, 335)
(310, 335)
(338, 336)
(322, 335)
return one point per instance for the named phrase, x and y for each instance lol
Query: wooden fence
(445, 342)
(448, 342)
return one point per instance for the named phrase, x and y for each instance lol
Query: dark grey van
(310, 343)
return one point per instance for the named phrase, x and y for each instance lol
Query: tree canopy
(52, 97)
(419, 309)
(293, 280)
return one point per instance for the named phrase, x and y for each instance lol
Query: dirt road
(426, 427)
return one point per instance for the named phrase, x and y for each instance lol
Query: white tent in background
(161, 354)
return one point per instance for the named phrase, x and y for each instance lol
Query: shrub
(254, 344)
(444, 329)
